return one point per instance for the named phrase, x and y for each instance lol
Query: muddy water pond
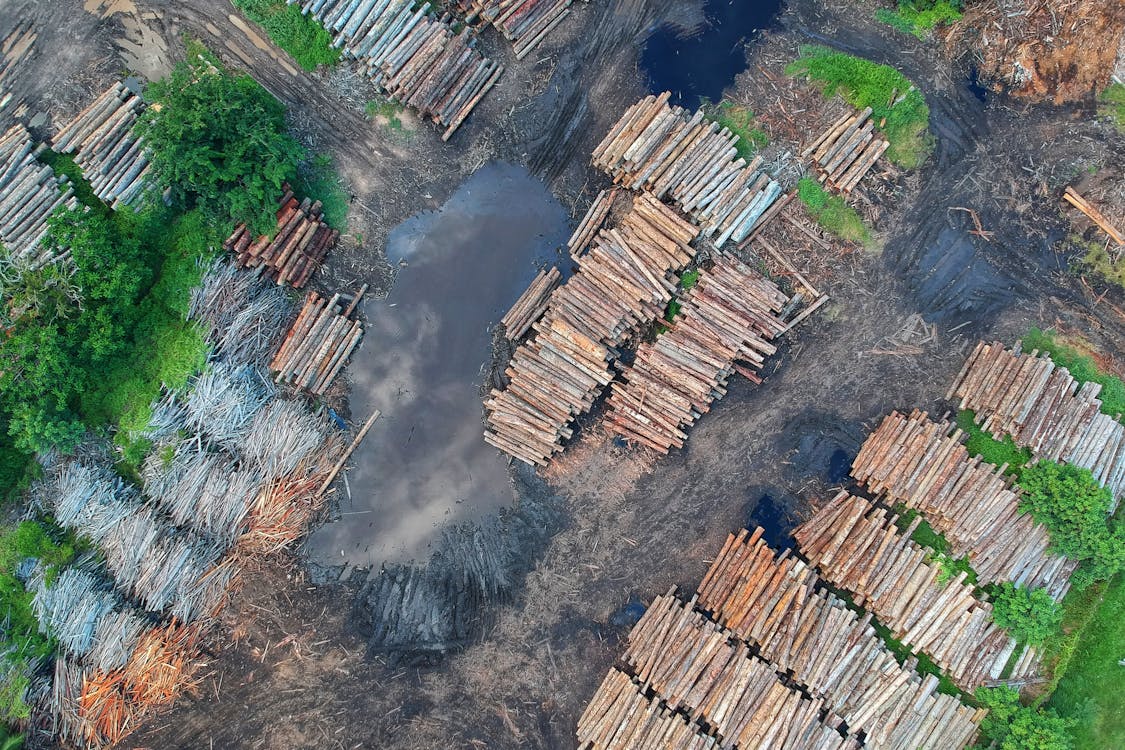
(699, 63)
(424, 355)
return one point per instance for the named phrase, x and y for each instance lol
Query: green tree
(1030, 615)
(1013, 726)
(218, 141)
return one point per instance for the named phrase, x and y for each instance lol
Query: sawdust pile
(1061, 50)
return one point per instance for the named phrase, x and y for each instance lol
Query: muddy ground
(291, 668)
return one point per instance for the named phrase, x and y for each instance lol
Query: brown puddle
(424, 355)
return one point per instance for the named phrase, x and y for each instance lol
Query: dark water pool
(700, 63)
(775, 518)
(423, 357)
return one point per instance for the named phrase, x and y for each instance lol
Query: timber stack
(623, 283)
(102, 141)
(1043, 408)
(416, 57)
(724, 326)
(29, 193)
(856, 545)
(525, 23)
(847, 151)
(593, 220)
(774, 604)
(318, 344)
(620, 717)
(531, 305)
(690, 161)
(299, 246)
(923, 465)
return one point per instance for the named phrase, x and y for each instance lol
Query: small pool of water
(775, 519)
(839, 466)
(424, 355)
(700, 63)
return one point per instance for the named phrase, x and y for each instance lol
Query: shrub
(1113, 105)
(898, 109)
(1073, 506)
(1030, 615)
(740, 121)
(1081, 367)
(302, 36)
(919, 17)
(1013, 726)
(996, 452)
(832, 213)
(687, 281)
(318, 180)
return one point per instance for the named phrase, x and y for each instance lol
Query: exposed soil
(292, 664)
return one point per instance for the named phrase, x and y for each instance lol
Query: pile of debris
(29, 193)
(295, 251)
(318, 343)
(102, 141)
(624, 282)
(856, 545)
(691, 161)
(923, 465)
(724, 326)
(1043, 408)
(416, 57)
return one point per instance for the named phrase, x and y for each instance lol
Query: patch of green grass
(1090, 683)
(687, 281)
(387, 110)
(1113, 105)
(832, 213)
(302, 36)
(1098, 258)
(1082, 368)
(64, 164)
(991, 450)
(740, 121)
(919, 17)
(927, 536)
(898, 109)
(318, 180)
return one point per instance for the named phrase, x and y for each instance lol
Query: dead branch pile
(531, 305)
(282, 435)
(318, 344)
(240, 313)
(772, 602)
(591, 223)
(222, 401)
(701, 670)
(1044, 409)
(297, 249)
(847, 151)
(690, 161)
(923, 465)
(624, 282)
(856, 545)
(619, 716)
(1093, 214)
(102, 141)
(725, 325)
(29, 193)
(525, 23)
(416, 57)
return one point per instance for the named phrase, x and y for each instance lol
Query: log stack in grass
(857, 546)
(724, 326)
(295, 251)
(412, 54)
(317, 345)
(29, 193)
(623, 283)
(847, 151)
(690, 161)
(923, 465)
(1043, 408)
(102, 141)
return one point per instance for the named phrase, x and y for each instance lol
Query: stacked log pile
(856, 545)
(923, 465)
(624, 282)
(531, 305)
(725, 325)
(318, 344)
(690, 161)
(29, 194)
(298, 248)
(620, 717)
(102, 141)
(588, 228)
(700, 670)
(525, 23)
(417, 58)
(847, 151)
(1044, 409)
(772, 603)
